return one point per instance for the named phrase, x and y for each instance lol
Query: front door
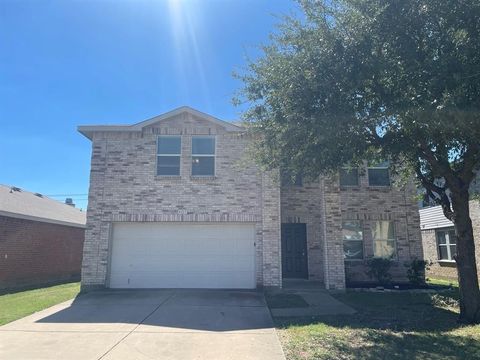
(294, 251)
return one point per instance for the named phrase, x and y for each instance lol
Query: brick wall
(370, 204)
(323, 204)
(124, 187)
(438, 269)
(33, 253)
(303, 204)
(444, 269)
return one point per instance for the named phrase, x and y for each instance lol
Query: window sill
(446, 261)
(168, 177)
(202, 177)
(378, 187)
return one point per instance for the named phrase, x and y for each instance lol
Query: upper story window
(348, 177)
(383, 235)
(169, 151)
(447, 244)
(379, 175)
(352, 231)
(203, 156)
(288, 180)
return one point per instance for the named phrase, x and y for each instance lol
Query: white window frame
(394, 239)
(380, 168)
(447, 244)
(362, 240)
(165, 155)
(205, 155)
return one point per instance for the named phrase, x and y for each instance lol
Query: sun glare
(185, 26)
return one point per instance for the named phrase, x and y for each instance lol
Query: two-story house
(174, 202)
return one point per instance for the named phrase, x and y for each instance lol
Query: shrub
(416, 271)
(379, 269)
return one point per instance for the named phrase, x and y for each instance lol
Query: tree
(351, 80)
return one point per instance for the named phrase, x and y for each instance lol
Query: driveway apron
(147, 324)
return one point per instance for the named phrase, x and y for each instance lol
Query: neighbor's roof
(18, 203)
(88, 130)
(432, 218)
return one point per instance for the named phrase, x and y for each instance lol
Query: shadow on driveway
(206, 310)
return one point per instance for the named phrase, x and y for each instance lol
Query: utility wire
(53, 195)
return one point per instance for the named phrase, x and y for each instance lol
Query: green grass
(386, 326)
(17, 305)
(442, 282)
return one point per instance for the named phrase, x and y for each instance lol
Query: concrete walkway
(320, 303)
(157, 324)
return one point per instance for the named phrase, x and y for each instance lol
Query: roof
(88, 130)
(18, 203)
(433, 218)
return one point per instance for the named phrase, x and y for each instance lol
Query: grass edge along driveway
(19, 304)
(386, 326)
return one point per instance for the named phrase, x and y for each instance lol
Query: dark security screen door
(294, 251)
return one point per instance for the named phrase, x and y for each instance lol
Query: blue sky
(66, 63)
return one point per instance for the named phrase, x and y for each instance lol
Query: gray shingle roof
(27, 205)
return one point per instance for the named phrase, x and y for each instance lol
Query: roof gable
(88, 130)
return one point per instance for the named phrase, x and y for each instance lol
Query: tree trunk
(465, 258)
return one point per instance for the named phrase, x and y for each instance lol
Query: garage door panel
(221, 263)
(161, 255)
(186, 279)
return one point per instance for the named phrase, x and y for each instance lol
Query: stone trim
(225, 217)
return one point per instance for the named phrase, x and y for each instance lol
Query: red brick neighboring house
(41, 240)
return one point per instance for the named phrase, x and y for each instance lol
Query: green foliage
(396, 80)
(370, 79)
(379, 269)
(416, 271)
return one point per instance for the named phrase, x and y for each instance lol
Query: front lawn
(386, 326)
(17, 305)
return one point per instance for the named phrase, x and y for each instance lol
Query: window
(447, 244)
(203, 156)
(168, 155)
(288, 180)
(348, 177)
(352, 239)
(383, 235)
(378, 176)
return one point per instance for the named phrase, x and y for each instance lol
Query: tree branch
(437, 193)
(471, 160)
(441, 168)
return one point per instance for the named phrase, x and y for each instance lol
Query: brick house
(41, 240)
(438, 238)
(174, 201)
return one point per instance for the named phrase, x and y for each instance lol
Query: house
(41, 240)
(175, 202)
(438, 238)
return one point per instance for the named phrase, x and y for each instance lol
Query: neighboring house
(41, 240)
(175, 202)
(438, 237)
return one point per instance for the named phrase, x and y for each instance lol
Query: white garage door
(173, 255)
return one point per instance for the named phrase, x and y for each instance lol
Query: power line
(56, 195)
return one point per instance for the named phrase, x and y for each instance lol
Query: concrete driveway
(147, 324)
